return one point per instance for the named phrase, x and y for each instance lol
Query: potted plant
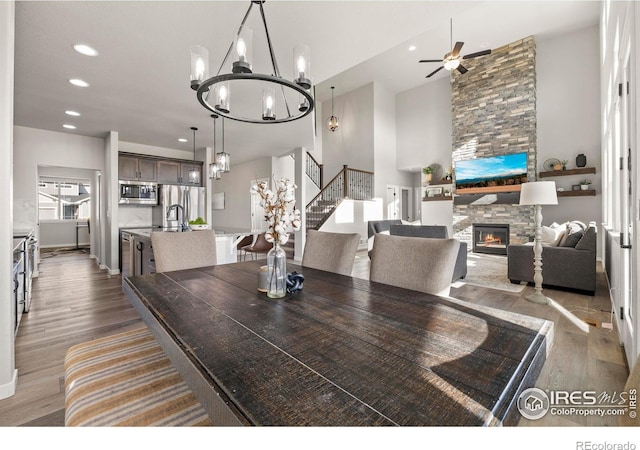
(427, 171)
(564, 164)
(584, 184)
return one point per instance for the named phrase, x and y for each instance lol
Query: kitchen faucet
(183, 226)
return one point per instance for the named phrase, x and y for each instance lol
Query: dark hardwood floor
(74, 301)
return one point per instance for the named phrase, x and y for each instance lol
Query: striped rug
(127, 380)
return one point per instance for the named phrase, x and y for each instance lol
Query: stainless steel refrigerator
(191, 200)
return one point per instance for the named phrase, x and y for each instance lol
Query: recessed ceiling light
(78, 82)
(72, 113)
(182, 140)
(70, 127)
(85, 50)
(412, 48)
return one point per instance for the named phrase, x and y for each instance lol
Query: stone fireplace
(494, 113)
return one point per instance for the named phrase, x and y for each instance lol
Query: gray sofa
(396, 228)
(565, 267)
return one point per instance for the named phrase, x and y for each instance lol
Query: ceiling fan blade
(430, 60)
(435, 71)
(475, 55)
(462, 69)
(457, 48)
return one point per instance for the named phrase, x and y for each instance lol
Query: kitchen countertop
(220, 232)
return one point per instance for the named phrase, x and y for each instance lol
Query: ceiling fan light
(451, 63)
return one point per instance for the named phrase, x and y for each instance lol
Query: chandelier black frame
(242, 72)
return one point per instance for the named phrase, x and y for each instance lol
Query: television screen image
(496, 173)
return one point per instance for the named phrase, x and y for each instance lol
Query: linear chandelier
(214, 93)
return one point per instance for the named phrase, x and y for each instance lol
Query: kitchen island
(139, 254)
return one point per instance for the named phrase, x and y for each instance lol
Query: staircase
(348, 183)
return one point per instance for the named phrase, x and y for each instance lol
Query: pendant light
(223, 160)
(214, 170)
(237, 72)
(333, 123)
(194, 173)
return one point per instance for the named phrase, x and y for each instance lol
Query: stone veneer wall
(494, 113)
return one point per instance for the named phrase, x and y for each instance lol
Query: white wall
(568, 114)
(8, 372)
(33, 148)
(384, 143)
(423, 126)
(351, 144)
(236, 185)
(161, 152)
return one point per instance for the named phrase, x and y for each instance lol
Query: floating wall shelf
(564, 173)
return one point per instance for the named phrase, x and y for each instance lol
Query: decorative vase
(584, 187)
(276, 272)
(581, 160)
(427, 178)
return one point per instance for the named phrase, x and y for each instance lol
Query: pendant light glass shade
(302, 65)
(214, 171)
(268, 104)
(333, 122)
(243, 49)
(223, 96)
(223, 159)
(194, 173)
(199, 66)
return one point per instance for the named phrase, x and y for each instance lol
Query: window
(60, 199)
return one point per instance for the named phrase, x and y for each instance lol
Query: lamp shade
(539, 193)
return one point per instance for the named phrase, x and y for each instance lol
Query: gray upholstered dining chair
(332, 252)
(420, 264)
(188, 250)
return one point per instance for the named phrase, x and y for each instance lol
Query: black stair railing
(314, 170)
(349, 183)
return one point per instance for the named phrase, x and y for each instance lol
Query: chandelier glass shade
(194, 173)
(223, 159)
(214, 170)
(237, 73)
(333, 122)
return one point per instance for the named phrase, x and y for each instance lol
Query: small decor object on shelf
(427, 171)
(282, 216)
(584, 185)
(575, 187)
(434, 192)
(581, 160)
(551, 164)
(564, 163)
(449, 174)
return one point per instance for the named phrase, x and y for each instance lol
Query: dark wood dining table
(342, 351)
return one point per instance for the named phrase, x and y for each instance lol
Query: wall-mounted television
(504, 173)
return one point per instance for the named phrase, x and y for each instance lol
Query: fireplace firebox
(490, 238)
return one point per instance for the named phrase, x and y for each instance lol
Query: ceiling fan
(453, 60)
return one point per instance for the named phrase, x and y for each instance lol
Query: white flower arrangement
(279, 209)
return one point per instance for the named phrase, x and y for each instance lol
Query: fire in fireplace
(490, 238)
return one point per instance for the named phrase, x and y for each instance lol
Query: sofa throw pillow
(587, 242)
(575, 234)
(565, 233)
(551, 236)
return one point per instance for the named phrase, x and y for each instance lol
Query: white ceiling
(140, 80)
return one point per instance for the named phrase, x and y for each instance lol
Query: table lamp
(538, 193)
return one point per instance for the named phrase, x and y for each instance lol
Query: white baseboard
(114, 271)
(102, 266)
(7, 390)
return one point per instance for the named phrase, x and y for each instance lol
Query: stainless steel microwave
(138, 193)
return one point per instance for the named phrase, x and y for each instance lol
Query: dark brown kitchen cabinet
(174, 172)
(137, 169)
